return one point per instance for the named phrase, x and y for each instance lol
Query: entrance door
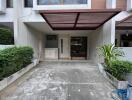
(79, 47)
(64, 48)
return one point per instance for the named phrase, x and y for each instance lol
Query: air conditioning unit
(2, 6)
(129, 5)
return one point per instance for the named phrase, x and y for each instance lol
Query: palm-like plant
(110, 52)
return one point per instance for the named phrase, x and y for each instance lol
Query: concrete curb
(9, 80)
(102, 71)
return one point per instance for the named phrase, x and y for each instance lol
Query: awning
(88, 19)
(125, 24)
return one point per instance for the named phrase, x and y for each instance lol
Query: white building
(69, 29)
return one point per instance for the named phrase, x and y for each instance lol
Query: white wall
(102, 35)
(8, 16)
(128, 53)
(27, 36)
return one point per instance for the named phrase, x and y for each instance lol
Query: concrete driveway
(60, 81)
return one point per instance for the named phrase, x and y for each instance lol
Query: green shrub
(119, 69)
(13, 59)
(6, 36)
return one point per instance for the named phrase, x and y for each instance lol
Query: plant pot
(129, 78)
(117, 83)
(122, 84)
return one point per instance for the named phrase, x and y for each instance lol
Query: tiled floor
(60, 81)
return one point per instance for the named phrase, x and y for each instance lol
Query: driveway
(60, 81)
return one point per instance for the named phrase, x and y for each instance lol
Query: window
(126, 40)
(28, 3)
(9, 3)
(59, 2)
(51, 41)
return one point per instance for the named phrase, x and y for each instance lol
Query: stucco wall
(99, 37)
(128, 53)
(8, 16)
(28, 36)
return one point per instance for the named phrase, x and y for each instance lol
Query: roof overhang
(125, 24)
(84, 19)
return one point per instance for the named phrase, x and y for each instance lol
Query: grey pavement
(60, 81)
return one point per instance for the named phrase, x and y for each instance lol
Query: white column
(15, 21)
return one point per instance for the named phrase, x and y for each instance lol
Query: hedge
(6, 36)
(14, 59)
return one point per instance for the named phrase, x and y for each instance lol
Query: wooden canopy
(125, 24)
(87, 19)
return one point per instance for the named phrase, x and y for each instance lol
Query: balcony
(61, 4)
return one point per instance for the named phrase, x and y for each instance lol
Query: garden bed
(113, 80)
(14, 62)
(9, 80)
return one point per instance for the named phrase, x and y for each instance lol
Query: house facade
(69, 29)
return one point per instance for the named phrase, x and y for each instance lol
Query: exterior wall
(128, 53)
(98, 4)
(29, 37)
(121, 4)
(102, 35)
(8, 16)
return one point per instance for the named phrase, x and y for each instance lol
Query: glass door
(78, 47)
